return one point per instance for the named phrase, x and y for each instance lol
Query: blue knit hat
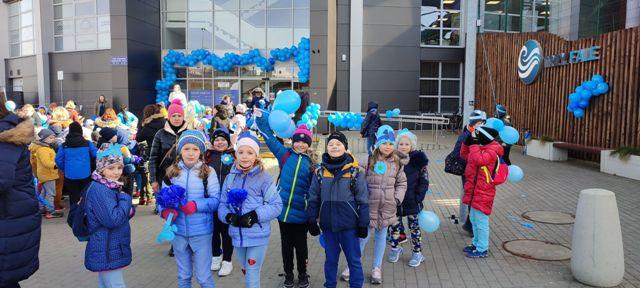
(194, 137)
(248, 138)
(385, 134)
(477, 116)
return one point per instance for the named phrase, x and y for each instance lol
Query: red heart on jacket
(251, 262)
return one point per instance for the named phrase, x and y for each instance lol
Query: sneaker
(225, 269)
(403, 238)
(345, 274)
(216, 262)
(477, 254)
(469, 248)
(376, 275)
(303, 280)
(416, 259)
(53, 215)
(288, 281)
(394, 255)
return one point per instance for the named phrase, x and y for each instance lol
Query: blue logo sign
(530, 61)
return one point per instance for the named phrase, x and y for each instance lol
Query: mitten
(166, 211)
(232, 219)
(363, 232)
(189, 208)
(314, 230)
(247, 220)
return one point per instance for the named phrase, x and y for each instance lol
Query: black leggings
(221, 236)
(294, 236)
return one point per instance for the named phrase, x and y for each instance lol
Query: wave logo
(530, 61)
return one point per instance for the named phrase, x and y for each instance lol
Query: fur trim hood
(152, 117)
(22, 132)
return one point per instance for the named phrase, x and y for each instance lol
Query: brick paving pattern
(547, 186)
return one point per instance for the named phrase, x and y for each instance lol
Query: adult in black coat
(370, 125)
(20, 218)
(152, 122)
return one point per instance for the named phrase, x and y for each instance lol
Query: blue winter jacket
(132, 120)
(20, 217)
(108, 213)
(75, 162)
(456, 149)
(295, 176)
(262, 197)
(201, 222)
(337, 207)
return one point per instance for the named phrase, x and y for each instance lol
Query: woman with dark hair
(17, 197)
(100, 106)
(152, 122)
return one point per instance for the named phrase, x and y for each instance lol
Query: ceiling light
(494, 2)
(448, 1)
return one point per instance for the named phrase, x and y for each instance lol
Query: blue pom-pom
(236, 197)
(171, 197)
(227, 159)
(380, 167)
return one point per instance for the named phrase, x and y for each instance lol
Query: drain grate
(549, 217)
(537, 250)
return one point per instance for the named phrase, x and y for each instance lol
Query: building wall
(25, 68)
(391, 54)
(87, 74)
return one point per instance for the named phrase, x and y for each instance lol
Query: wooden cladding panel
(612, 120)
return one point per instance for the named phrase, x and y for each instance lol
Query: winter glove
(232, 219)
(189, 208)
(166, 211)
(314, 230)
(363, 232)
(247, 220)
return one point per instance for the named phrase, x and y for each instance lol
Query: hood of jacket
(153, 117)
(16, 131)
(167, 127)
(418, 159)
(372, 105)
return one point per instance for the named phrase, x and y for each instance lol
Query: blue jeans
(348, 242)
(251, 259)
(193, 254)
(480, 223)
(111, 279)
(379, 241)
(371, 142)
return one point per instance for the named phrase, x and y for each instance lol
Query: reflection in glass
(252, 4)
(429, 69)
(452, 4)
(450, 70)
(27, 48)
(279, 31)
(429, 105)
(225, 4)
(86, 42)
(26, 19)
(200, 30)
(450, 37)
(430, 37)
(86, 25)
(64, 43)
(85, 8)
(301, 25)
(451, 19)
(279, 4)
(450, 87)
(226, 30)
(62, 11)
(494, 22)
(200, 5)
(449, 105)
(494, 6)
(27, 33)
(429, 87)
(429, 17)
(174, 32)
(252, 29)
(103, 7)
(104, 41)
(513, 23)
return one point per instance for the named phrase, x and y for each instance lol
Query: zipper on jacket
(244, 180)
(293, 187)
(186, 194)
(475, 183)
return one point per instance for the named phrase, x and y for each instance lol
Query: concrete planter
(629, 167)
(546, 151)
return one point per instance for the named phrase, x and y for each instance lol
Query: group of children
(345, 200)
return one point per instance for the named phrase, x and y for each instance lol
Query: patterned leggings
(396, 230)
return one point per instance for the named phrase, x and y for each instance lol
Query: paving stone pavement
(547, 186)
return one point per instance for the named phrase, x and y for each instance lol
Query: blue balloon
(585, 94)
(570, 108)
(579, 89)
(515, 174)
(590, 85)
(288, 101)
(288, 132)
(583, 104)
(396, 112)
(578, 113)
(602, 88)
(509, 135)
(279, 121)
(597, 78)
(574, 97)
(495, 123)
(428, 221)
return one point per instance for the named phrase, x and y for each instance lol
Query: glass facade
(235, 26)
(81, 25)
(20, 24)
(601, 16)
(441, 23)
(440, 87)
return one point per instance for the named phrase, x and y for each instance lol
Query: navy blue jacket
(456, 149)
(108, 213)
(20, 218)
(333, 203)
(417, 183)
(371, 122)
(75, 160)
(295, 176)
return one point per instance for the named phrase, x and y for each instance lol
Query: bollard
(597, 256)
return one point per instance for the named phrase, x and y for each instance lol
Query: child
(417, 186)
(43, 163)
(386, 188)
(481, 152)
(338, 199)
(108, 212)
(370, 125)
(74, 157)
(221, 260)
(250, 223)
(295, 179)
(192, 244)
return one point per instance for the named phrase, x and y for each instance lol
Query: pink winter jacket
(386, 191)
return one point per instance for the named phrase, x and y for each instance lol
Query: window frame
(443, 12)
(99, 45)
(440, 79)
(19, 42)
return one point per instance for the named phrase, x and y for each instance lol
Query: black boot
(468, 227)
(303, 280)
(171, 252)
(288, 281)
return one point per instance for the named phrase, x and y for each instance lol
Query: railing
(435, 121)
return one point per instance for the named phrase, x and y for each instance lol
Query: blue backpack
(77, 219)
